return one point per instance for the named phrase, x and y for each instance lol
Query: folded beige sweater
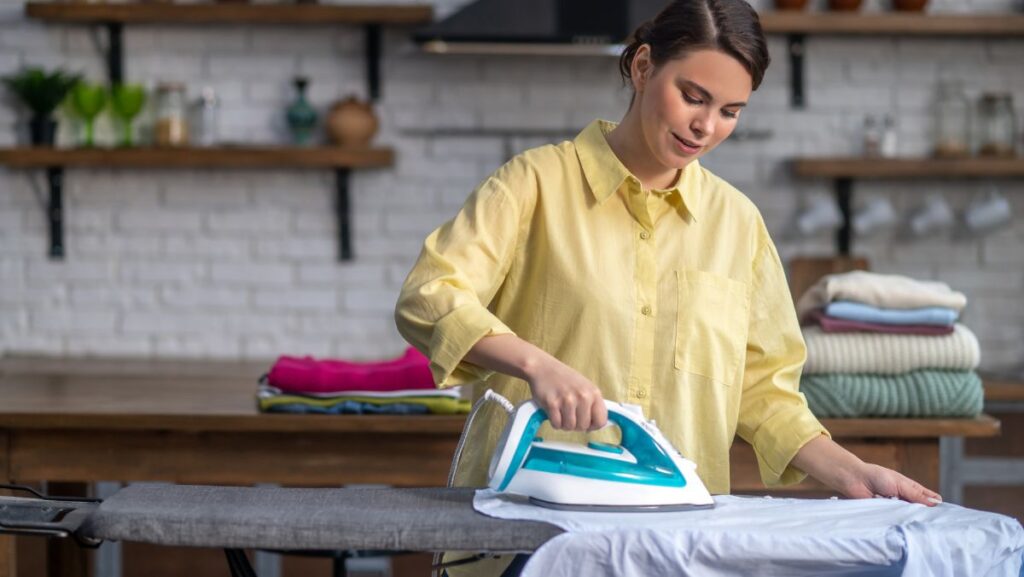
(888, 291)
(889, 353)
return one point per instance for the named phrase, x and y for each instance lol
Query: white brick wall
(241, 264)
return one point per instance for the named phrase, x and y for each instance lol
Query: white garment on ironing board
(765, 536)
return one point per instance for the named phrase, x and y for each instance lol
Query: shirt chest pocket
(711, 329)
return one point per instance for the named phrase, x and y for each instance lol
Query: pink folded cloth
(835, 325)
(309, 375)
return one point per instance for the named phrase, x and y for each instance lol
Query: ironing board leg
(339, 564)
(239, 563)
(516, 566)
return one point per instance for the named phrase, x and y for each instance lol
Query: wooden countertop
(47, 393)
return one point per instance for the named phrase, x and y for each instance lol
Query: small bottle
(872, 137)
(889, 146)
(206, 118)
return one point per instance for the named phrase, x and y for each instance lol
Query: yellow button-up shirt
(674, 300)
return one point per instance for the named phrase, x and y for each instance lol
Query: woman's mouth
(686, 147)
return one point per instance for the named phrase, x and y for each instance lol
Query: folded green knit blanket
(922, 393)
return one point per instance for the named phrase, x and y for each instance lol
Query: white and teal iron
(643, 473)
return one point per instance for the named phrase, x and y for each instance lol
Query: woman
(615, 266)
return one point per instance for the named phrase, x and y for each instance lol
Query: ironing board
(280, 519)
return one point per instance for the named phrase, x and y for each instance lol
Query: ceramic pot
(351, 123)
(844, 5)
(42, 130)
(790, 4)
(909, 5)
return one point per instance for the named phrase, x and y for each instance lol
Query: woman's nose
(702, 125)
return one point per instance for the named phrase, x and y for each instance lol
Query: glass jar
(872, 137)
(952, 120)
(171, 128)
(997, 125)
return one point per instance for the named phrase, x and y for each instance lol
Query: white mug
(821, 214)
(988, 212)
(935, 215)
(876, 213)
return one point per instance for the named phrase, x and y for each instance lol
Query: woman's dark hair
(685, 26)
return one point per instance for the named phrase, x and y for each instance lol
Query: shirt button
(641, 393)
(645, 235)
(646, 310)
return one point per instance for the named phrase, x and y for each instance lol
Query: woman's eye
(730, 113)
(691, 99)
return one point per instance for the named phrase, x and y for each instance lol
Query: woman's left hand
(872, 480)
(823, 459)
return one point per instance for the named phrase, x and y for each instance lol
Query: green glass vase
(301, 115)
(87, 101)
(126, 102)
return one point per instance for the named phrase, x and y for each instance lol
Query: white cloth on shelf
(879, 290)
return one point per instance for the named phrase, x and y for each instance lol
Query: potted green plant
(41, 92)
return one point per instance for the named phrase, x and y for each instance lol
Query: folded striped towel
(270, 399)
(915, 394)
(888, 353)
(880, 290)
(854, 311)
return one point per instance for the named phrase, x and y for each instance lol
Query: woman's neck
(627, 142)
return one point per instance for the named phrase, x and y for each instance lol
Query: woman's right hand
(572, 402)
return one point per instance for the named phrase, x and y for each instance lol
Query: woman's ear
(641, 68)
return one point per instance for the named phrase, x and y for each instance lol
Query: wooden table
(95, 420)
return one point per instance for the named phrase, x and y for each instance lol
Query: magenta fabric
(834, 325)
(309, 375)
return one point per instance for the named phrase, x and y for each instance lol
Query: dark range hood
(536, 25)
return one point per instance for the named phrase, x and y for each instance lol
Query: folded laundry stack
(888, 346)
(402, 386)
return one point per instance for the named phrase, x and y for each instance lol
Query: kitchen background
(241, 264)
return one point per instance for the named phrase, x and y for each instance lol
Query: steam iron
(644, 473)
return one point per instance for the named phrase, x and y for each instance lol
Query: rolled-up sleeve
(442, 308)
(774, 417)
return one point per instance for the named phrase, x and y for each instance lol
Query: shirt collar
(605, 172)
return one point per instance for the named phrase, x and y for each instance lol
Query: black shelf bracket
(373, 61)
(796, 70)
(55, 211)
(115, 52)
(844, 199)
(344, 218)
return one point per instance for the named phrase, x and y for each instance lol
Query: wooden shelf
(892, 24)
(871, 168)
(220, 157)
(169, 13)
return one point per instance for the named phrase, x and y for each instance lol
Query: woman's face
(689, 104)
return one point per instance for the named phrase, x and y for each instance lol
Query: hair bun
(643, 32)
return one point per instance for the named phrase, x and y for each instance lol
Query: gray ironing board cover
(392, 519)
